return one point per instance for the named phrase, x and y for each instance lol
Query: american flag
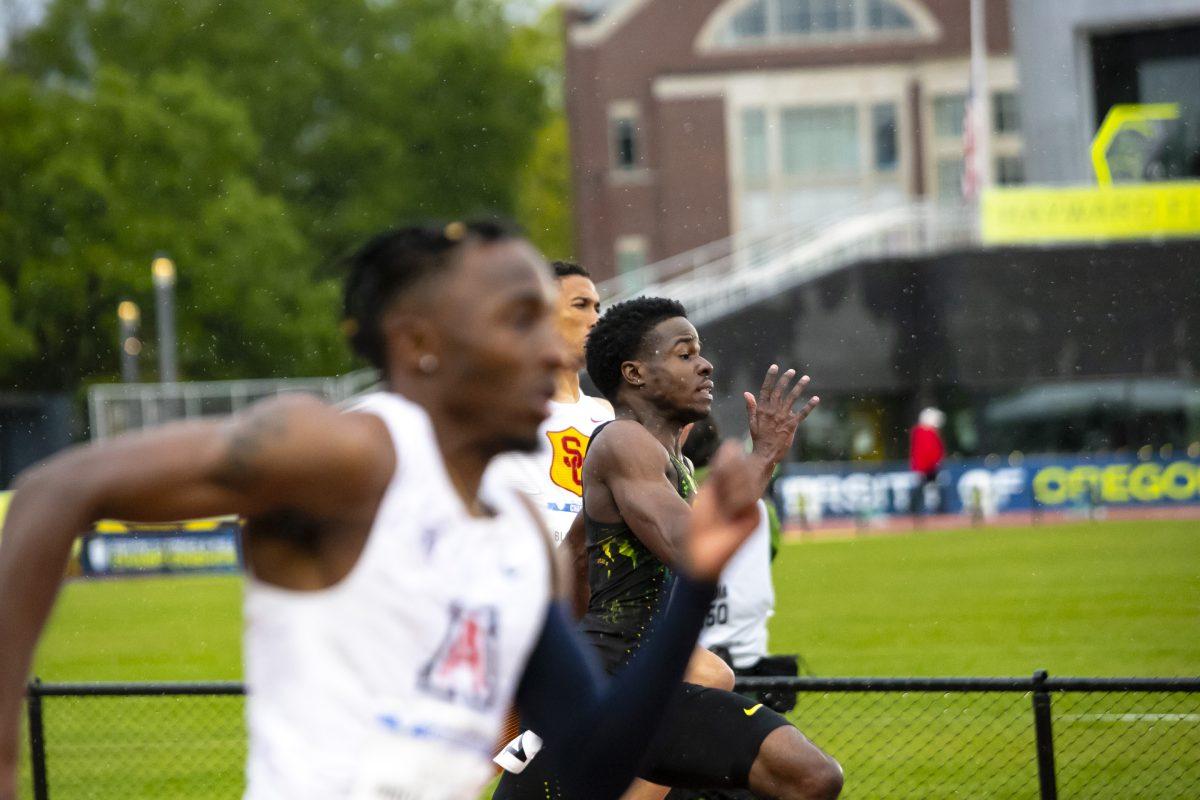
(976, 174)
(970, 174)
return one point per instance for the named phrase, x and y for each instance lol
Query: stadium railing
(1034, 737)
(721, 277)
(116, 408)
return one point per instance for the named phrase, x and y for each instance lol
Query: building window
(815, 16)
(883, 131)
(806, 162)
(947, 144)
(768, 20)
(1153, 65)
(820, 141)
(884, 16)
(631, 257)
(751, 23)
(796, 18)
(949, 111)
(1010, 170)
(624, 131)
(948, 114)
(624, 135)
(949, 178)
(755, 162)
(1006, 118)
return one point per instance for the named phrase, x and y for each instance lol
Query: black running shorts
(708, 739)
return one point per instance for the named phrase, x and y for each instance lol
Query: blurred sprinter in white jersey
(393, 610)
(550, 475)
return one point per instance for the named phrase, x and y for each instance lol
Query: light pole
(163, 269)
(129, 316)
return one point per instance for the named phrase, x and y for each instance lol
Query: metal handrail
(724, 276)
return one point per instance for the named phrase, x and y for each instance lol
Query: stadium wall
(32, 426)
(966, 330)
(986, 487)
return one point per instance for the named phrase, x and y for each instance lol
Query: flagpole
(981, 96)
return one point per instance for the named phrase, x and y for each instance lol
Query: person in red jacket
(925, 457)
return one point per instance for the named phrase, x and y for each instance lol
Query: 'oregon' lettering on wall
(1117, 483)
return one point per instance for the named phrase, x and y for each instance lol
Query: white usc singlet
(552, 477)
(745, 599)
(426, 638)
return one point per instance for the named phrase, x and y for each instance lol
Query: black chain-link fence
(136, 741)
(1023, 738)
(1007, 738)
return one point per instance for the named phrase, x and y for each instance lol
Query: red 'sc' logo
(566, 466)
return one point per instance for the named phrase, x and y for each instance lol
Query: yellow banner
(1029, 215)
(5, 497)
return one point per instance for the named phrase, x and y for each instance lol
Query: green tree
(544, 199)
(368, 112)
(256, 142)
(94, 182)
(544, 191)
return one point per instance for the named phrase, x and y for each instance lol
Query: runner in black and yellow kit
(644, 356)
(626, 580)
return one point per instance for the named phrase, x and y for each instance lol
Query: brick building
(694, 119)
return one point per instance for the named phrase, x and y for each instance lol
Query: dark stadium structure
(1062, 349)
(32, 426)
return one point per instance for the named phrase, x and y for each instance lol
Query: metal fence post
(37, 741)
(1043, 729)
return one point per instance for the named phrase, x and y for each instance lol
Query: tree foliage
(256, 142)
(544, 196)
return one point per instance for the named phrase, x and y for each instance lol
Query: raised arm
(293, 453)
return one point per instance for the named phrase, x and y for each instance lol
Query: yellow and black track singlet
(629, 584)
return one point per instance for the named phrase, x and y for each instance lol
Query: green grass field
(1103, 599)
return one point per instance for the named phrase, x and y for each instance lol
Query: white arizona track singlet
(552, 477)
(394, 682)
(745, 599)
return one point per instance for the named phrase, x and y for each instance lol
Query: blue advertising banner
(162, 550)
(813, 491)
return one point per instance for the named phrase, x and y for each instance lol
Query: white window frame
(630, 110)
(865, 178)
(951, 78)
(926, 28)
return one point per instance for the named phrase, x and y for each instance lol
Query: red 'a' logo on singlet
(463, 668)
(566, 466)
